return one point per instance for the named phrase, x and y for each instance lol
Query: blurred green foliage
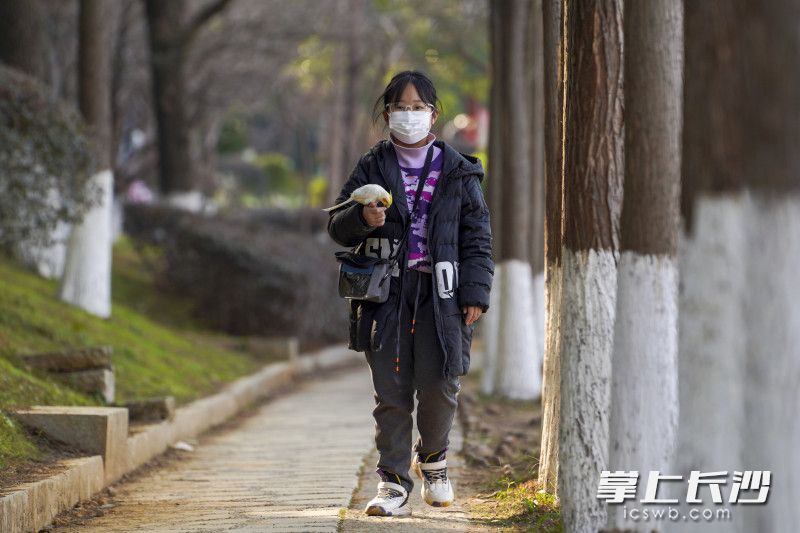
(232, 135)
(279, 172)
(317, 191)
(313, 66)
(45, 160)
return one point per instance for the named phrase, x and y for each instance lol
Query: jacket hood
(460, 164)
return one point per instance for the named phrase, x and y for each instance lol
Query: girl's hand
(472, 312)
(374, 215)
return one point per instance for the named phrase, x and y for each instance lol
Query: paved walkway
(293, 465)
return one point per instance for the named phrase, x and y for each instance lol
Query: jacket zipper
(402, 268)
(434, 287)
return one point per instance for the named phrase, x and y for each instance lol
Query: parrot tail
(331, 208)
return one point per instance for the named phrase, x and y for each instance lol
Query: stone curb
(32, 506)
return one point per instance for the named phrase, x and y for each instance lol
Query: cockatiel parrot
(365, 195)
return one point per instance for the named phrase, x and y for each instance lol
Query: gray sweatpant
(420, 369)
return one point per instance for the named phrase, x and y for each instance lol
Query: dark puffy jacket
(459, 242)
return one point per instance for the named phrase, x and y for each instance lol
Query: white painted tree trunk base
(551, 380)
(740, 350)
(588, 296)
(47, 260)
(87, 271)
(711, 345)
(192, 201)
(518, 372)
(771, 436)
(491, 331)
(644, 385)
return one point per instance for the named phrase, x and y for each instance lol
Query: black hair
(394, 90)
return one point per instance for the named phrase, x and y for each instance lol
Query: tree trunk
(356, 58)
(712, 328)
(644, 386)
(87, 273)
(517, 372)
(168, 63)
(553, 132)
(494, 198)
(337, 132)
(535, 90)
(739, 331)
(23, 43)
(346, 138)
(593, 173)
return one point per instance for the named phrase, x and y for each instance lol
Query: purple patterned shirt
(411, 162)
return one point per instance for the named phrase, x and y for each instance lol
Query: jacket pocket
(458, 336)
(453, 342)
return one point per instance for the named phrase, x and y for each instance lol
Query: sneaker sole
(418, 471)
(375, 510)
(434, 503)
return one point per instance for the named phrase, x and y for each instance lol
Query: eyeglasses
(396, 106)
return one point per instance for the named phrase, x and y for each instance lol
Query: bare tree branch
(200, 19)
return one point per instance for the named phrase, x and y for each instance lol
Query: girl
(419, 339)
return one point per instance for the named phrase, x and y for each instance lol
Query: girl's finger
(476, 314)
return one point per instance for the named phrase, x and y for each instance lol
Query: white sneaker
(436, 487)
(392, 500)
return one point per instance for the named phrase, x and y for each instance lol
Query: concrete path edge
(32, 506)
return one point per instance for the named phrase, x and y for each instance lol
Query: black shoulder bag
(366, 278)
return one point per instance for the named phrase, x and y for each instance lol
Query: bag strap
(423, 177)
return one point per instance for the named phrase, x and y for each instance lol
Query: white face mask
(410, 127)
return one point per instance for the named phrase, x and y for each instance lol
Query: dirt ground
(46, 465)
(501, 448)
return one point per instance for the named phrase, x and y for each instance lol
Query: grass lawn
(520, 506)
(158, 347)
